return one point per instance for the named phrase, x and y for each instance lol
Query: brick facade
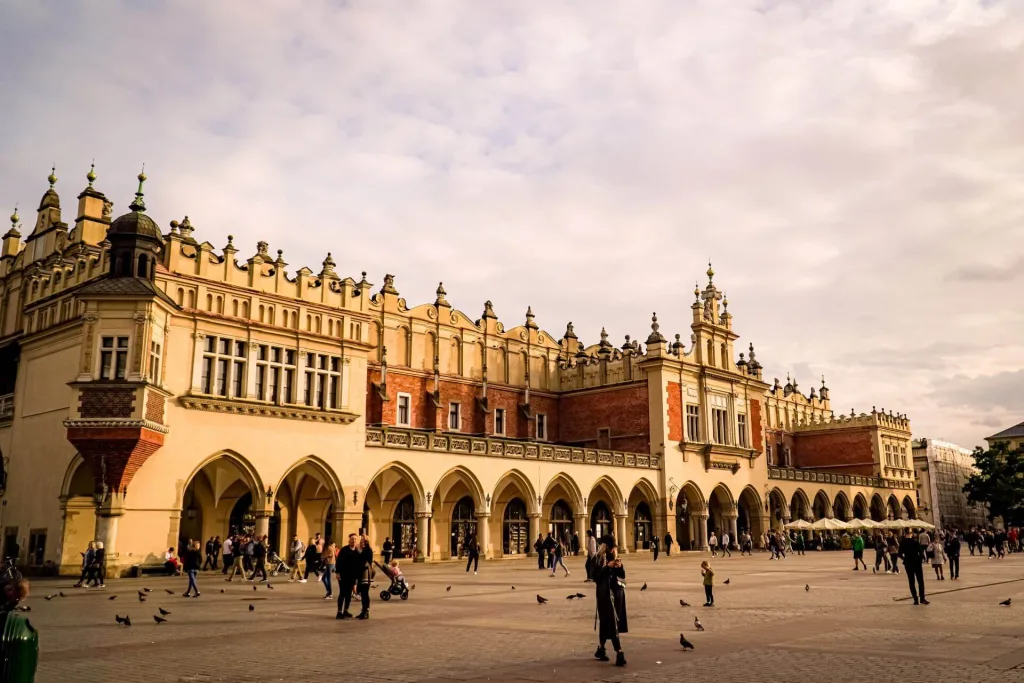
(115, 453)
(107, 402)
(155, 407)
(623, 410)
(756, 429)
(847, 452)
(675, 412)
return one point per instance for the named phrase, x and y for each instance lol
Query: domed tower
(135, 241)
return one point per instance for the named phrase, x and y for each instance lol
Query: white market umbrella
(891, 524)
(799, 524)
(829, 524)
(863, 524)
(919, 524)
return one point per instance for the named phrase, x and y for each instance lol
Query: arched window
(515, 529)
(642, 526)
(403, 528)
(234, 307)
(142, 270)
(601, 520)
(191, 299)
(711, 353)
(725, 357)
(209, 302)
(561, 525)
(463, 525)
(181, 297)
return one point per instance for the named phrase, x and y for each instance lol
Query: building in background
(1013, 437)
(942, 469)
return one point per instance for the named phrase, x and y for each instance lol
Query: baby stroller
(277, 565)
(397, 586)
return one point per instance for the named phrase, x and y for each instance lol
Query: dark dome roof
(135, 223)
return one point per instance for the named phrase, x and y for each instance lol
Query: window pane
(275, 380)
(240, 349)
(222, 377)
(122, 342)
(211, 344)
(207, 382)
(261, 353)
(106, 361)
(121, 361)
(275, 354)
(286, 389)
(333, 396)
(239, 379)
(335, 364)
(224, 346)
(261, 378)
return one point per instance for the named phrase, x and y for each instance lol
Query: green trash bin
(19, 649)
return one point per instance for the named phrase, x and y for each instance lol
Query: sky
(853, 169)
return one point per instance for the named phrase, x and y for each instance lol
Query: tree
(999, 482)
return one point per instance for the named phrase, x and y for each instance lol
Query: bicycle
(9, 572)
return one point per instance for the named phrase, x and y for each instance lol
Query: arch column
(701, 520)
(534, 532)
(262, 522)
(620, 532)
(766, 527)
(581, 523)
(422, 532)
(483, 531)
(732, 522)
(108, 516)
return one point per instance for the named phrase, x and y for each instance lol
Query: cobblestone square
(766, 626)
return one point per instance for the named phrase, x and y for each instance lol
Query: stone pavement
(850, 626)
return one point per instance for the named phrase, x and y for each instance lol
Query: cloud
(990, 272)
(837, 161)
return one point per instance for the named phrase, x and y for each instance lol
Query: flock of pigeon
(161, 618)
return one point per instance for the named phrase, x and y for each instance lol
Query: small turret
(440, 301)
(12, 239)
(531, 324)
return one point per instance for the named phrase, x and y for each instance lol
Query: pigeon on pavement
(697, 624)
(807, 586)
(1006, 602)
(252, 608)
(163, 611)
(112, 597)
(158, 620)
(687, 645)
(540, 600)
(726, 582)
(643, 587)
(683, 603)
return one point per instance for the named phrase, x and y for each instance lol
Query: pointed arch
(514, 484)
(324, 472)
(860, 506)
(893, 507)
(878, 509)
(822, 505)
(454, 476)
(691, 499)
(612, 494)
(841, 506)
(909, 509)
(404, 473)
(799, 505)
(248, 474)
(568, 487)
(75, 478)
(724, 496)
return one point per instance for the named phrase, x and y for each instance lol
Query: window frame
(741, 430)
(454, 416)
(225, 368)
(118, 355)
(541, 426)
(403, 396)
(693, 422)
(499, 416)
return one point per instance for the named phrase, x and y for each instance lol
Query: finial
(711, 272)
(440, 300)
(91, 175)
(725, 302)
(530, 324)
(696, 291)
(52, 178)
(655, 336)
(823, 381)
(489, 311)
(569, 332)
(139, 203)
(230, 245)
(15, 217)
(329, 263)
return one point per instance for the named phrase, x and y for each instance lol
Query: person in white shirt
(225, 551)
(725, 545)
(591, 553)
(713, 544)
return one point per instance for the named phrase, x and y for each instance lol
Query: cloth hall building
(154, 388)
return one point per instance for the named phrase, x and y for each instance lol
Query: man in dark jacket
(259, 560)
(549, 547)
(912, 555)
(349, 568)
(655, 546)
(212, 548)
(953, 554)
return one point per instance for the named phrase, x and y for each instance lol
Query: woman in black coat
(611, 600)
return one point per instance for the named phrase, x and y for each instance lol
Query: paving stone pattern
(765, 627)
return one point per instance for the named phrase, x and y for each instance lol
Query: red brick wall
(623, 409)
(675, 412)
(848, 452)
(474, 420)
(123, 450)
(756, 428)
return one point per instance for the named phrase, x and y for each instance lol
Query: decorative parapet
(236, 407)
(115, 423)
(873, 419)
(409, 439)
(794, 474)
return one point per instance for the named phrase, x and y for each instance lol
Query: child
(709, 583)
(396, 574)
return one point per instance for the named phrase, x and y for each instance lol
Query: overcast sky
(853, 168)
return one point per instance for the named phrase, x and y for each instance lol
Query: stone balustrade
(795, 474)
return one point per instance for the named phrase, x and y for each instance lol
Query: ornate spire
(710, 272)
(230, 245)
(139, 204)
(628, 346)
(280, 259)
(91, 175)
(605, 346)
(440, 300)
(530, 324)
(52, 178)
(328, 267)
(655, 337)
(15, 217)
(696, 292)
(489, 311)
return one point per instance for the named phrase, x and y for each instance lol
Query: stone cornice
(795, 474)
(114, 423)
(266, 410)
(464, 444)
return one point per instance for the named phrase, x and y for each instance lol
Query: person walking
(327, 560)
(259, 560)
(98, 574)
(668, 544)
(349, 569)
(225, 552)
(193, 564)
(708, 579)
(952, 549)
(211, 554)
(538, 546)
(611, 600)
(725, 544)
(387, 551)
(237, 560)
(549, 546)
(87, 559)
(575, 543)
(558, 552)
(881, 556)
(655, 546)
(912, 554)
(365, 576)
(713, 544)
(892, 546)
(591, 555)
(312, 558)
(857, 544)
(296, 551)
(937, 557)
(472, 553)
